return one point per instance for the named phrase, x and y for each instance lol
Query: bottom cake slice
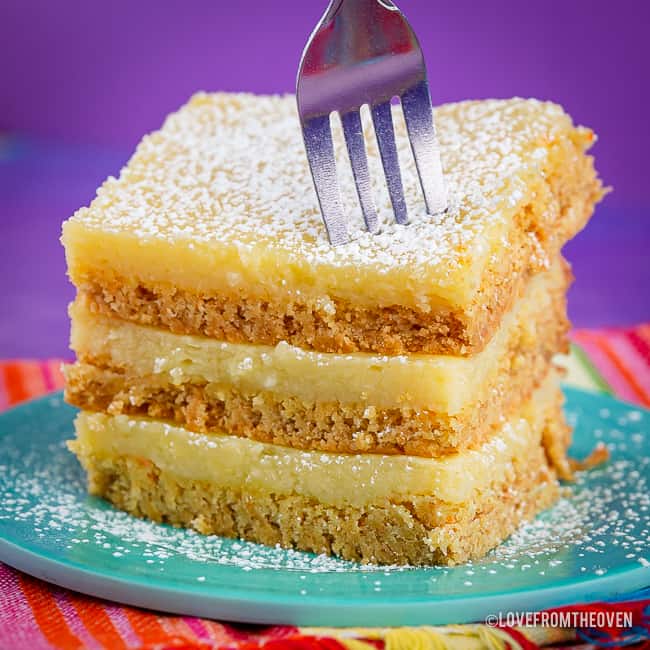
(395, 509)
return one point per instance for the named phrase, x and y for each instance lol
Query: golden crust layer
(94, 385)
(331, 324)
(417, 531)
(219, 203)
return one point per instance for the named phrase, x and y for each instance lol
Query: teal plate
(592, 545)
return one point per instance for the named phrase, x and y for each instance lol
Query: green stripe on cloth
(581, 373)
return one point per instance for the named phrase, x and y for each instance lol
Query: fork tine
(317, 134)
(383, 120)
(418, 115)
(353, 132)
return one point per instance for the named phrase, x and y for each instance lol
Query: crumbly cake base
(410, 529)
(417, 532)
(330, 324)
(94, 385)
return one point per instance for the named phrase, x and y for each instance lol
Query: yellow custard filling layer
(436, 382)
(337, 479)
(220, 201)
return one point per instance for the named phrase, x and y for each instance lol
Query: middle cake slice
(423, 405)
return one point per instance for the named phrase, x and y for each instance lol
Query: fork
(364, 52)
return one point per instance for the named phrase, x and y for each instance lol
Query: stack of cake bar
(391, 400)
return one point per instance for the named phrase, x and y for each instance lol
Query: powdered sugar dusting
(230, 170)
(52, 499)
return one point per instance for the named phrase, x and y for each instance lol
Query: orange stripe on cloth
(47, 615)
(147, 627)
(24, 379)
(33, 378)
(15, 388)
(98, 623)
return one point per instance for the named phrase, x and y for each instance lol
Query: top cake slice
(213, 228)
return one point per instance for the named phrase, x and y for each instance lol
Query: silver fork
(365, 52)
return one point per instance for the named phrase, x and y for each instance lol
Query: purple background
(81, 81)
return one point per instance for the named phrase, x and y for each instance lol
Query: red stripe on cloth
(637, 355)
(641, 344)
(147, 627)
(97, 621)
(49, 619)
(524, 642)
(644, 331)
(620, 356)
(63, 602)
(590, 343)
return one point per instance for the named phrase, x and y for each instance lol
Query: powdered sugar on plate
(601, 524)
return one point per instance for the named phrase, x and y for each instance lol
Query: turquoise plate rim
(158, 593)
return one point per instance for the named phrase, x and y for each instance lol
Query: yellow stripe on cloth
(452, 637)
(356, 644)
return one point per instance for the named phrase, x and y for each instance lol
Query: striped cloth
(35, 615)
(619, 360)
